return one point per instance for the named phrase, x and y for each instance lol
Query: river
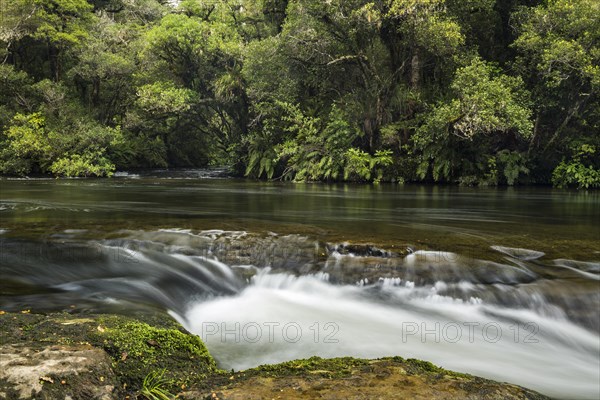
(502, 283)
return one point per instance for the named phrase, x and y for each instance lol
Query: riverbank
(104, 356)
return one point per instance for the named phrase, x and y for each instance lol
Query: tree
(60, 25)
(560, 57)
(194, 63)
(488, 113)
(468, 91)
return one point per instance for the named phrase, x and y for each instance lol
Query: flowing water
(501, 283)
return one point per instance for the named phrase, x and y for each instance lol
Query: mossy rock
(136, 347)
(327, 367)
(139, 349)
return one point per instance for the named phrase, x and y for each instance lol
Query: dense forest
(476, 92)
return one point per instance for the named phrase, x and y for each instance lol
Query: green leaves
(514, 164)
(88, 164)
(62, 22)
(559, 54)
(579, 171)
(363, 166)
(29, 139)
(487, 106)
(486, 102)
(303, 89)
(561, 40)
(33, 146)
(161, 98)
(429, 24)
(194, 50)
(317, 148)
(155, 386)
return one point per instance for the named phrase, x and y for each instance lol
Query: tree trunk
(415, 70)
(536, 128)
(53, 59)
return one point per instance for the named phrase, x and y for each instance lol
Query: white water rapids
(280, 317)
(521, 319)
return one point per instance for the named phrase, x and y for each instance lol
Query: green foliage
(328, 367)
(429, 24)
(153, 386)
(514, 164)
(363, 166)
(561, 37)
(317, 149)
(139, 349)
(487, 102)
(33, 146)
(192, 93)
(28, 143)
(559, 53)
(469, 91)
(261, 156)
(192, 49)
(93, 164)
(263, 138)
(490, 176)
(15, 93)
(267, 70)
(160, 98)
(579, 171)
(61, 22)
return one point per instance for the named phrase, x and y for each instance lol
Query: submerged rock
(590, 270)
(519, 253)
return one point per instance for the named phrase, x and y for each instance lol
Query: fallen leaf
(47, 379)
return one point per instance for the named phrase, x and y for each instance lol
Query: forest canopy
(476, 92)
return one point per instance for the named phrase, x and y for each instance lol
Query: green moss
(138, 349)
(417, 367)
(332, 367)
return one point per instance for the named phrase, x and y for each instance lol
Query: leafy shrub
(317, 149)
(28, 143)
(261, 143)
(93, 164)
(514, 165)
(80, 148)
(360, 165)
(579, 170)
